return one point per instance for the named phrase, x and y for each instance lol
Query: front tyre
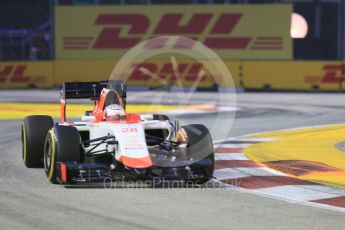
(62, 144)
(34, 131)
(200, 149)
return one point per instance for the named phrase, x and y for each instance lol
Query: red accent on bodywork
(62, 111)
(144, 162)
(130, 118)
(63, 173)
(98, 111)
(133, 117)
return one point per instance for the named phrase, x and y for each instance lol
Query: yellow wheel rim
(52, 157)
(24, 142)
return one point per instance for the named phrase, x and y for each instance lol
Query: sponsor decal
(169, 24)
(18, 74)
(188, 72)
(130, 130)
(332, 73)
(105, 32)
(133, 143)
(114, 35)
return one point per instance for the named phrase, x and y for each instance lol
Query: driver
(114, 112)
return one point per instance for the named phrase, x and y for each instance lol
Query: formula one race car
(110, 143)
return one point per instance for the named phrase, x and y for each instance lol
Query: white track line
(302, 192)
(238, 172)
(230, 156)
(232, 145)
(244, 139)
(289, 199)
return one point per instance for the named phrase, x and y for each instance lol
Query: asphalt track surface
(29, 201)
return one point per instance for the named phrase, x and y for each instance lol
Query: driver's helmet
(114, 112)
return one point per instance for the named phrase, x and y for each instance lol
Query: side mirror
(88, 113)
(88, 118)
(177, 125)
(146, 117)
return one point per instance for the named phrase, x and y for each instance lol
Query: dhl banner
(52, 73)
(26, 74)
(232, 31)
(270, 75)
(294, 75)
(95, 70)
(188, 74)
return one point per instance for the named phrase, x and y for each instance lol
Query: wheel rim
(47, 154)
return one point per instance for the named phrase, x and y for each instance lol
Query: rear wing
(89, 90)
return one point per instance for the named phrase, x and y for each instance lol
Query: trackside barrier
(251, 75)
(52, 73)
(145, 74)
(294, 75)
(235, 69)
(26, 74)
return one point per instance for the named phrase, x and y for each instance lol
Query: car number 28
(129, 130)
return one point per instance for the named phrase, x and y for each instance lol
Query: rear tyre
(34, 131)
(199, 146)
(160, 117)
(62, 144)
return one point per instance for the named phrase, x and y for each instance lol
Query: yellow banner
(232, 31)
(294, 75)
(26, 74)
(275, 75)
(153, 73)
(82, 70)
